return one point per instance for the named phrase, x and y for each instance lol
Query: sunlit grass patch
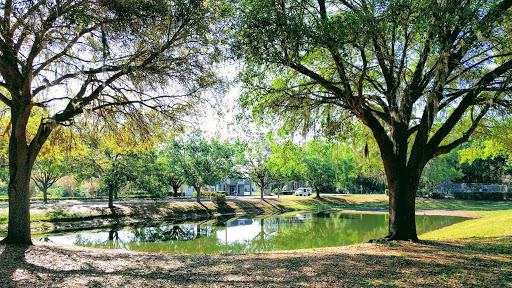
(492, 224)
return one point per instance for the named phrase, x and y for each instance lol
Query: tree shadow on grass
(225, 209)
(488, 245)
(426, 264)
(329, 202)
(207, 210)
(276, 205)
(248, 207)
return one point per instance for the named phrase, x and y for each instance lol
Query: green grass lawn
(492, 224)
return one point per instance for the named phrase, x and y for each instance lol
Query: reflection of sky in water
(299, 231)
(242, 232)
(238, 231)
(96, 237)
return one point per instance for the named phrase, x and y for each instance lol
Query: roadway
(139, 201)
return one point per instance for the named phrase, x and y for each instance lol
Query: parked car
(303, 191)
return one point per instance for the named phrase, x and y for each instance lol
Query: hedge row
(494, 196)
(437, 195)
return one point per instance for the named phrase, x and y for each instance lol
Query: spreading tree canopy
(421, 75)
(100, 58)
(206, 163)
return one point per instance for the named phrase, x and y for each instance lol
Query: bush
(508, 196)
(437, 195)
(218, 198)
(494, 196)
(203, 194)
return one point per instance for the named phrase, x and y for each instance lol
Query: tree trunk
(175, 191)
(402, 219)
(45, 194)
(110, 199)
(403, 183)
(402, 175)
(317, 191)
(198, 231)
(20, 170)
(19, 208)
(262, 190)
(198, 194)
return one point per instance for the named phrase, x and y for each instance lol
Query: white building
(242, 187)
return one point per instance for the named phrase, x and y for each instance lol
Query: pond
(245, 235)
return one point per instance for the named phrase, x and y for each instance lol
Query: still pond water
(244, 235)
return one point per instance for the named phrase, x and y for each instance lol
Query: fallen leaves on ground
(397, 264)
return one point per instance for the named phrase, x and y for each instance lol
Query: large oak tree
(72, 57)
(421, 75)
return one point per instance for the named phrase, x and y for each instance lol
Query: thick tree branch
(465, 137)
(5, 100)
(467, 101)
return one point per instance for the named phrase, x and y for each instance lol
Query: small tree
(172, 158)
(207, 163)
(287, 162)
(148, 172)
(69, 184)
(113, 179)
(258, 164)
(47, 171)
(320, 170)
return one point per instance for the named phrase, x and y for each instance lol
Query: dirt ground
(402, 264)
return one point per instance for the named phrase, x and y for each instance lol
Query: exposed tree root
(390, 238)
(7, 240)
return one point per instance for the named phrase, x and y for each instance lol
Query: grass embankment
(45, 218)
(76, 216)
(474, 253)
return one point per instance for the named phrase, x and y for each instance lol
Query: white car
(303, 192)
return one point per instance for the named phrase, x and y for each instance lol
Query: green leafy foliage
(219, 198)
(259, 166)
(320, 169)
(208, 162)
(172, 158)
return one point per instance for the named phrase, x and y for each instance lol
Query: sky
(218, 118)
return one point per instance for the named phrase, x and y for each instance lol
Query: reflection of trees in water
(165, 233)
(114, 241)
(113, 235)
(45, 239)
(272, 233)
(261, 241)
(328, 229)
